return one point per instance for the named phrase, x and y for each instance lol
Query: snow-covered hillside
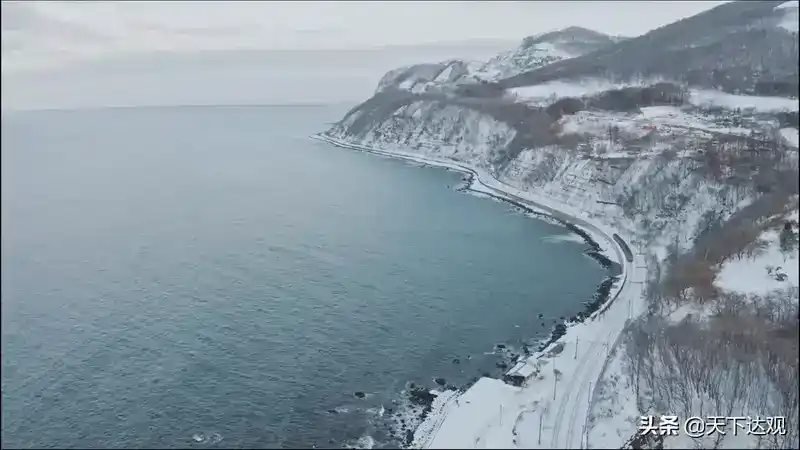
(656, 369)
(533, 52)
(694, 179)
(646, 173)
(789, 20)
(538, 51)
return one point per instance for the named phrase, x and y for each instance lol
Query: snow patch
(791, 136)
(763, 273)
(790, 20)
(444, 76)
(713, 98)
(549, 92)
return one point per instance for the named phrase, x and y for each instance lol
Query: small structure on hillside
(520, 373)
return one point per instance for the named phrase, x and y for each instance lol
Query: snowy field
(761, 275)
(789, 21)
(663, 120)
(791, 136)
(546, 93)
(711, 98)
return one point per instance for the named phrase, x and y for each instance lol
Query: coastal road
(563, 424)
(566, 425)
(570, 408)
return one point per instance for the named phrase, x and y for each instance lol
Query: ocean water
(210, 277)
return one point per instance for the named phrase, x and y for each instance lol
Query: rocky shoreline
(422, 398)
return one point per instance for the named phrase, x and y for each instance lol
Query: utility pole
(541, 417)
(555, 379)
(588, 409)
(636, 262)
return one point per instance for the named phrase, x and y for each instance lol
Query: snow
(444, 76)
(672, 126)
(407, 84)
(711, 98)
(519, 60)
(752, 276)
(789, 21)
(558, 89)
(426, 429)
(791, 136)
(480, 408)
(419, 88)
(614, 414)
(524, 369)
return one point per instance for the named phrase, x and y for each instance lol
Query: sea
(210, 277)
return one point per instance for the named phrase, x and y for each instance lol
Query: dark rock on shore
(360, 394)
(601, 258)
(421, 397)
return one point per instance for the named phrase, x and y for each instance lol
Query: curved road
(567, 425)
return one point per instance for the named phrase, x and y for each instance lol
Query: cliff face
(668, 195)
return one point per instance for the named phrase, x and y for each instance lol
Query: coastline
(482, 183)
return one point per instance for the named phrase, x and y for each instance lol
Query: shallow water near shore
(210, 277)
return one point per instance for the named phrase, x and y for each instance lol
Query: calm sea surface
(210, 277)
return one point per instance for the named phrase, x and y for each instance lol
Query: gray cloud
(80, 54)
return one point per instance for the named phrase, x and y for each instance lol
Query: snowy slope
(533, 52)
(541, 50)
(737, 46)
(771, 269)
(789, 20)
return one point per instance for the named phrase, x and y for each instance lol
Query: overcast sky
(48, 37)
